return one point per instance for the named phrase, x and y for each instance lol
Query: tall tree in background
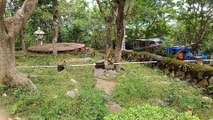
(55, 26)
(120, 31)
(9, 28)
(108, 14)
(197, 17)
(127, 13)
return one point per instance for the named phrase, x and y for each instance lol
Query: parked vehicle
(147, 44)
(186, 54)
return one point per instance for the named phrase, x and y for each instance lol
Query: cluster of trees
(178, 22)
(101, 25)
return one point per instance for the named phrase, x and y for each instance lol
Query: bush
(148, 112)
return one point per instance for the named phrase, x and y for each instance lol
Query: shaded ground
(60, 47)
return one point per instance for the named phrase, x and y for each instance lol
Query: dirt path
(3, 115)
(108, 86)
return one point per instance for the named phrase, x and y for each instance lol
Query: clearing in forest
(136, 85)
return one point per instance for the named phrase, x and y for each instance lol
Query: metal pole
(82, 65)
(144, 62)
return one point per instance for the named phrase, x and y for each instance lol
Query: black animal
(62, 66)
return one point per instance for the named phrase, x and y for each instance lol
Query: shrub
(148, 112)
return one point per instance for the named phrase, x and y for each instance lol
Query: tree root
(19, 80)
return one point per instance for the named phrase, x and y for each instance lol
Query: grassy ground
(137, 85)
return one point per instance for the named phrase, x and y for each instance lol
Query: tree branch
(128, 8)
(15, 23)
(101, 9)
(2, 8)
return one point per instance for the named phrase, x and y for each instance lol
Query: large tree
(120, 31)
(107, 9)
(196, 21)
(56, 26)
(9, 29)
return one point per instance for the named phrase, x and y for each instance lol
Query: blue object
(187, 52)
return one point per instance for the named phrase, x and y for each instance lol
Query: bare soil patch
(106, 85)
(3, 115)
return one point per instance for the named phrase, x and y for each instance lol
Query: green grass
(149, 112)
(137, 85)
(145, 85)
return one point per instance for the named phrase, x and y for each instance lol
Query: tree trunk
(54, 41)
(22, 41)
(109, 19)
(9, 28)
(136, 32)
(8, 72)
(108, 37)
(120, 32)
(56, 27)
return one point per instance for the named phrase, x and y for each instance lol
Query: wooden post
(199, 60)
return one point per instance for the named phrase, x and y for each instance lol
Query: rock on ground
(113, 107)
(73, 81)
(72, 93)
(102, 73)
(99, 73)
(111, 73)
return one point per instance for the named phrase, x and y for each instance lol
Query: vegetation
(103, 25)
(142, 86)
(148, 112)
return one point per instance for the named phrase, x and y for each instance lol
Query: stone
(72, 93)
(73, 81)
(17, 118)
(99, 73)
(165, 82)
(202, 84)
(158, 102)
(208, 99)
(177, 79)
(180, 74)
(111, 73)
(4, 95)
(189, 77)
(87, 59)
(211, 81)
(113, 107)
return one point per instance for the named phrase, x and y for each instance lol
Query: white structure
(124, 39)
(39, 36)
